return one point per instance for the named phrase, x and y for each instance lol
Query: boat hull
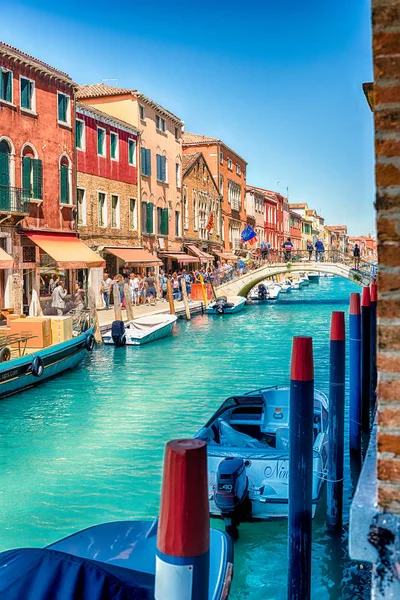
(239, 305)
(16, 375)
(131, 340)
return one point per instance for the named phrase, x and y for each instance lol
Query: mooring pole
(170, 297)
(374, 297)
(183, 538)
(203, 289)
(300, 468)
(365, 357)
(355, 375)
(336, 422)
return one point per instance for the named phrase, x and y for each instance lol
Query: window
(162, 221)
(132, 152)
(150, 218)
(142, 112)
(177, 223)
(178, 175)
(237, 169)
(6, 85)
(114, 148)
(221, 158)
(177, 133)
(64, 115)
(101, 141)
(234, 190)
(32, 175)
(132, 213)
(161, 124)
(185, 209)
(27, 98)
(81, 206)
(221, 185)
(102, 210)
(145, 161)
(229, 164)
(80, 134)
(65, 187)
(161, 168)
(115, 221)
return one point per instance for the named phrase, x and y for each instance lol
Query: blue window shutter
(158, 166)
(144, 217)
(37, 178)
(143, 161)
(163, 168)
(148, 155)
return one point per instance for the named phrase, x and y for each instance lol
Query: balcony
(235, 204)
(14, 200)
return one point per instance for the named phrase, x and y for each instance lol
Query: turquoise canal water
(87, 447)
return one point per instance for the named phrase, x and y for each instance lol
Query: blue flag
(248, 234)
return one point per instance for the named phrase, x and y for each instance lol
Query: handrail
(14, 200)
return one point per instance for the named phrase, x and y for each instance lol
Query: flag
(210, 223)
(249, 235)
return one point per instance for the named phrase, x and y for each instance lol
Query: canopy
(203, 256)
(6, 261)
(180, 257)
(136, 256)
(68, 251)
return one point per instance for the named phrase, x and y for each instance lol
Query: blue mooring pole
(355, 375)
(365, 358)
(336, 422)
(374, 378)
(301, 468)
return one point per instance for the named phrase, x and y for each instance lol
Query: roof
(196, 139)
(269, 193)
(299, 205)
(99, 90)
(188, 162)
(337, 227)
(368, 89)
(14, 53)
(105, 117)
(292, 212)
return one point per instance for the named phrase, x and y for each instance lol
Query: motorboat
(297, 283)
(104, 562)
(266, 291)
(248, 448)
(304, 279)
(226, 305)
(285, 286)
(313, 277)
(141, 330)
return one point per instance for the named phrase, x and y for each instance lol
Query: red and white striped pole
(183, 539)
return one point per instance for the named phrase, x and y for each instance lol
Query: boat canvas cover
(43, 574)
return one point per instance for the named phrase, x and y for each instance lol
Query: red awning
(135, 256)
(203, 256)
(180, 257)
(68, 251)
(6, 261)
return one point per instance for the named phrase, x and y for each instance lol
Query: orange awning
(6, 261)
(203, 256)
(68, 251)
(135, 256)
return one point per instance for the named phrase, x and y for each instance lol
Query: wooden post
(117, 302)
(203, 289)
(185, 298)
(128, 302)
(94, 318)
(17, 294)
(170, 297)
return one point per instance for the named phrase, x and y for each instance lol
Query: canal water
(88, 447)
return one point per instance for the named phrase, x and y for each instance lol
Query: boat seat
(230, 437)
(282, 438)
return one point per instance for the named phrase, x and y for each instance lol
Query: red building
(295, 229)
(37, 175)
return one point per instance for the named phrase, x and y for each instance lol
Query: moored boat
(304, 279)
(285, 286)
(248, 448)
(226, 305)
(296, 283)
(141, 330)
(268, 290)
(313, 277)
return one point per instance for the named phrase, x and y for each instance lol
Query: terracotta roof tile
(6, 49)
(188, 160)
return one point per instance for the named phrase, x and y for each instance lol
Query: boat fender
(5, 354)
(220, 309)
(89, 342)
(37, 366)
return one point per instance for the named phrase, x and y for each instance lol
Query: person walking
(310, 249)
(79, 296)
(319, 249)
(105, 289)
(287, 248)
(356, 256)
(57, 298)
(151, 288)
(134, 285)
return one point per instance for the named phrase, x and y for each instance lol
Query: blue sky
(278, 80)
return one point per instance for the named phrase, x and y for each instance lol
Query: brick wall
(386, 98)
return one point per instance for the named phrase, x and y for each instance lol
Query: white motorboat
(141, 330)
(304, 279)
(313, 277)
(226, 305)
(296, 283)
(254, 430)
(268, 290)
(285, 286)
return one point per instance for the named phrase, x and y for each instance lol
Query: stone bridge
(242, 285)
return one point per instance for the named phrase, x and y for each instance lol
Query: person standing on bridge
(319, 249)
(356, 256)
(310, 249)
(287, 248)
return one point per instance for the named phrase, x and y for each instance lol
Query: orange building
(229, 172)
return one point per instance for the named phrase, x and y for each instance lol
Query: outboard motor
(220, 304)
(262, 292)
(118, 333)
(231, 494)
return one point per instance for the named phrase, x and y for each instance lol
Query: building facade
(295, 230)
(229, 172)
(159, 161)
(255, 212)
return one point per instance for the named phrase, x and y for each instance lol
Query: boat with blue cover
(226, 305)
(248, 455)
(105, 562)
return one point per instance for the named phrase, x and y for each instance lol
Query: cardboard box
(61, 328)
(37, 326)
(10, 318)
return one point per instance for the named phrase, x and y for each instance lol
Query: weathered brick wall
(386, 98)
(113, 236)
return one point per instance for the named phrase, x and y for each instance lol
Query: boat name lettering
(9, 374)
(278, 470)
(225, 486)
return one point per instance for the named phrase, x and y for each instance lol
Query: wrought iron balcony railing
(14, 200)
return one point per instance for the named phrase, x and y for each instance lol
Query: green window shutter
(78, 133)
(26, 175)
(9, 86)
(100, 141)
(4, 169)
(25, 93)
(2, 96)
(143, 161)
(148, 161)
(144, 217)
(163, 168)
(62, 108)
(114, 141)
(64, 185)
(149, 219)
(37, 179)
(165, 221)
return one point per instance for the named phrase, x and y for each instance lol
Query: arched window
(7, 172)
(65, 180)
(32, 173)
(162, 217)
